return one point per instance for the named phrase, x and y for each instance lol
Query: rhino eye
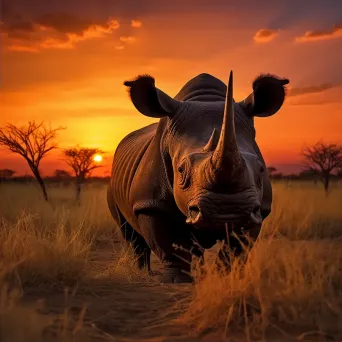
(184, 174)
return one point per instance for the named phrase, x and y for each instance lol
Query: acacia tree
(81, 160)
(32, 142)
(6, 173)
(323, 160)
(271, 170)
(61, 174)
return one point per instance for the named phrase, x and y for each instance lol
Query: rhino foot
(175, 276)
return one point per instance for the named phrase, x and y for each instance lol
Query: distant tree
(81, 160)
(323, 159)
(61, 174)
(6, 173)
(271, 170)
(309, 175)
(32, 142)
(277, 175)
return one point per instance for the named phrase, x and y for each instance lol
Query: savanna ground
(65, 275)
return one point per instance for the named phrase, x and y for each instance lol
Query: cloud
(54, 30)
(310, 36)
(136, 23)
(310, 89)
(127, 39)
(265, 35)
(314, 102)
(322, 94)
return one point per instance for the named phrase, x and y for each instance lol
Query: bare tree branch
(323, 159)
(32, 142)
(81, 160)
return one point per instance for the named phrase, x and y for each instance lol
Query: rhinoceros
(180, 181)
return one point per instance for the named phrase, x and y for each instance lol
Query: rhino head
(213, 166)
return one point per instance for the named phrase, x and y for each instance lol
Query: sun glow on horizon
(98, 158)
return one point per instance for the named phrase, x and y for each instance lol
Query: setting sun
(98, 158)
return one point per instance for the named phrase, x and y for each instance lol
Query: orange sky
(65, 64)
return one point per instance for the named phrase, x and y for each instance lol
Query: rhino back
(204, 87)
(126, 161)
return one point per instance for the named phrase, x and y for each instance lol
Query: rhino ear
(149, 100)
(268, 96)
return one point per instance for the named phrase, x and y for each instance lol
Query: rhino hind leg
(161, 233)
(142, 251)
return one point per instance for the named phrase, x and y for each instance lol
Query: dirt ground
(108, 309)
(118, 311)
(113, 310)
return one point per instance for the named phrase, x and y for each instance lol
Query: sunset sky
(64, 62)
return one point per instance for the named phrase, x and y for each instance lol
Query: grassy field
(65, 275)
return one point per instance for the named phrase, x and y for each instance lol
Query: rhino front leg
(161, 232)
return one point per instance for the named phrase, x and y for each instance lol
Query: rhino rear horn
(212, 142)
(149, 100)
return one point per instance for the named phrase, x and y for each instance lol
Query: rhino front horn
(226, 160)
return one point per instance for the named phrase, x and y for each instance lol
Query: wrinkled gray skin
(194, 173)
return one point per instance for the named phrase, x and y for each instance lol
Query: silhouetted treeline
(70, 180)
(303, 176)
(52, 180)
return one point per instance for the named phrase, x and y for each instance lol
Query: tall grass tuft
(292, 280)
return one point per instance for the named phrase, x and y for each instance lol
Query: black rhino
(184, 178)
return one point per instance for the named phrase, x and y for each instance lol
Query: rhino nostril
(194, 210)
(194, 215)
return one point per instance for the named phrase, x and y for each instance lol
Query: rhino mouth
(196, 218)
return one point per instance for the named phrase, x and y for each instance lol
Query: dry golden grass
(292, 281)
(47, 246)
(291, 284)
(50, 242)
(28, 323)
(122, 268)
